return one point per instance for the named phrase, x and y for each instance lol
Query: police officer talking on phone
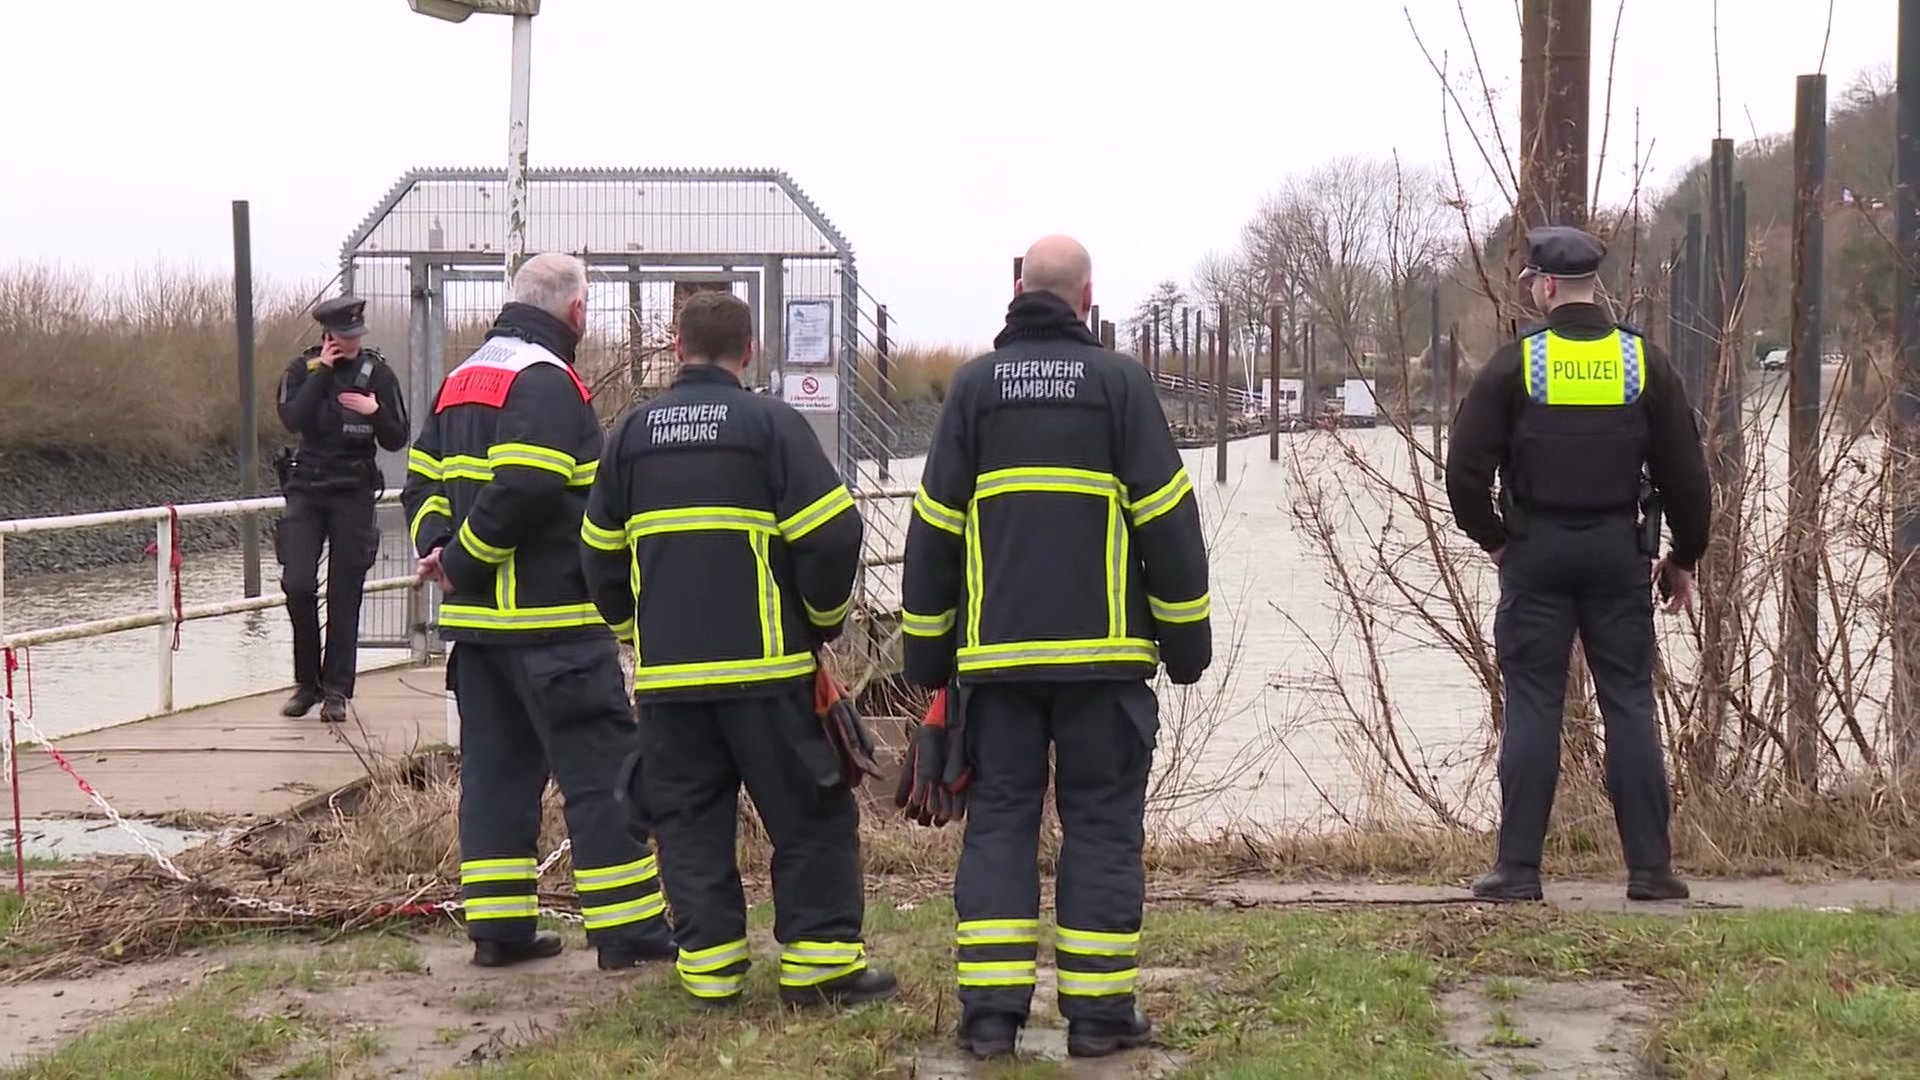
(1590, 432)
(342, 400)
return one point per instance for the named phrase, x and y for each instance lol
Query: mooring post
(1803, 432)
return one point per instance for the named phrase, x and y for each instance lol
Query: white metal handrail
(163, 615)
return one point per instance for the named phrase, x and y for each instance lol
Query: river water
(1272, 736)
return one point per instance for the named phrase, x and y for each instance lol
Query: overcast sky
(941, 140)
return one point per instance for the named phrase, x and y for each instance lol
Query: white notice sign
(809, 331)
(812, 391)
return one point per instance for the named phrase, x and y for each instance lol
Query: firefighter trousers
(695, 755)
(344, 522)
(1102, 734)
(526, 710)
(1593, 578)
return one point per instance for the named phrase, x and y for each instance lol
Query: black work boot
(867, 984)
(989, 1035)
(1102, 1038)
(632, 955)
(1510, 881)
(334, 710)
(543, 945)
(301, 703)
(1656, 885)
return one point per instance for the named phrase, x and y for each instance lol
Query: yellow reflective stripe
(811, 975)
(529, 456)
(613, 877)
(624, 631)
(1604, 372)
(1035, 653)
(479, 908)
(975, 571)
(713, 958)
(817, 513)
(506, 586)
(465, 467)
(773, 635)
(700, 519)
(419, 461)
(998, 932)
(829, 618)
(999, 973)
(479, 870)
(713, 986)
(599, 538)
(480, 549)
(584, 474)
(1061, 481)
(434, 504)
(559, 617)
(603, 916)
(1181, 611)
(1101, 984)
(1096, 942)
(938, 514)
(1117, 532)
(919, 625)
(1162, 500)
(720, 672)
(822, 952)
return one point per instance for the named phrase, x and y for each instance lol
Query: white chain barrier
(160, 858)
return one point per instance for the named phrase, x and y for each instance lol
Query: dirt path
(1720, 894)
(1513, 1028)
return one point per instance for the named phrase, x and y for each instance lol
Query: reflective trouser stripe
(705, 972)
(1096, 942)
(998, 973)
(1097, 984)
(997, 932)
(810, 963)
(607, 916)
(1096, 963)
(501, 907)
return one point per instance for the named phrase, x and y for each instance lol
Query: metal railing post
(163, 599)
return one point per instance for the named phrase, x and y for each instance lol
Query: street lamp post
(519, 103)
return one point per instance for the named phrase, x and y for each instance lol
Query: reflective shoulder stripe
(817, 513)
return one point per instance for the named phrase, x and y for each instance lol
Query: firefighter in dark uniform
(1590, 432)
(342, 400)
(1053, 561)
(496, 484)
(721, 534)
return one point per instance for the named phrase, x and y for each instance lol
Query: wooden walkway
(239, 759)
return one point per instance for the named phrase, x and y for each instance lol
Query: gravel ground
(43, 485)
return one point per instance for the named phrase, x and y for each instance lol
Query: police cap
(1560, 251)
(342, 316)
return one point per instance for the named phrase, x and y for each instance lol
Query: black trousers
(525, 710)
(696, 755)
(343, 521)
(1102, 734)
(1594, 578)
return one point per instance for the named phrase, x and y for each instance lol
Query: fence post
(248, 435)
(163, 602)
(1106, 335)
(1186, 363)
(1153, 346)
(1221, 344)
(1803, 432)
(1904, 402)
(881, 365)
(1433, 378)
(1273, 382)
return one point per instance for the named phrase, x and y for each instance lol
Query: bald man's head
(1059, 265)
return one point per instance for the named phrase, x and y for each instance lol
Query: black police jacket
(1566, 417)
(336, 447)
(721, 538)
(1055, 534)
(497, 481)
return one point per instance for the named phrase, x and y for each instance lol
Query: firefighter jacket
(497, 481)
(1055, 535)
(335, 451)
(719, 536)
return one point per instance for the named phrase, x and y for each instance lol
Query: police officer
(721, 536)
(496, 484)
(1572, 417)
(1054, 559)
(342, 400)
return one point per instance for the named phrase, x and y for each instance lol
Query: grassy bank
(1415, 994)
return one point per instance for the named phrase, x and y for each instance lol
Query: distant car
(1774, 361)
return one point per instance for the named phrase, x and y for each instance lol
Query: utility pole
(1906, 398)
(1556, 72)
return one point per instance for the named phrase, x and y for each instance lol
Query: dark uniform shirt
(497, 482)
(721, 538)
(1493, 422)
(336, 446)
(1055, 534)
